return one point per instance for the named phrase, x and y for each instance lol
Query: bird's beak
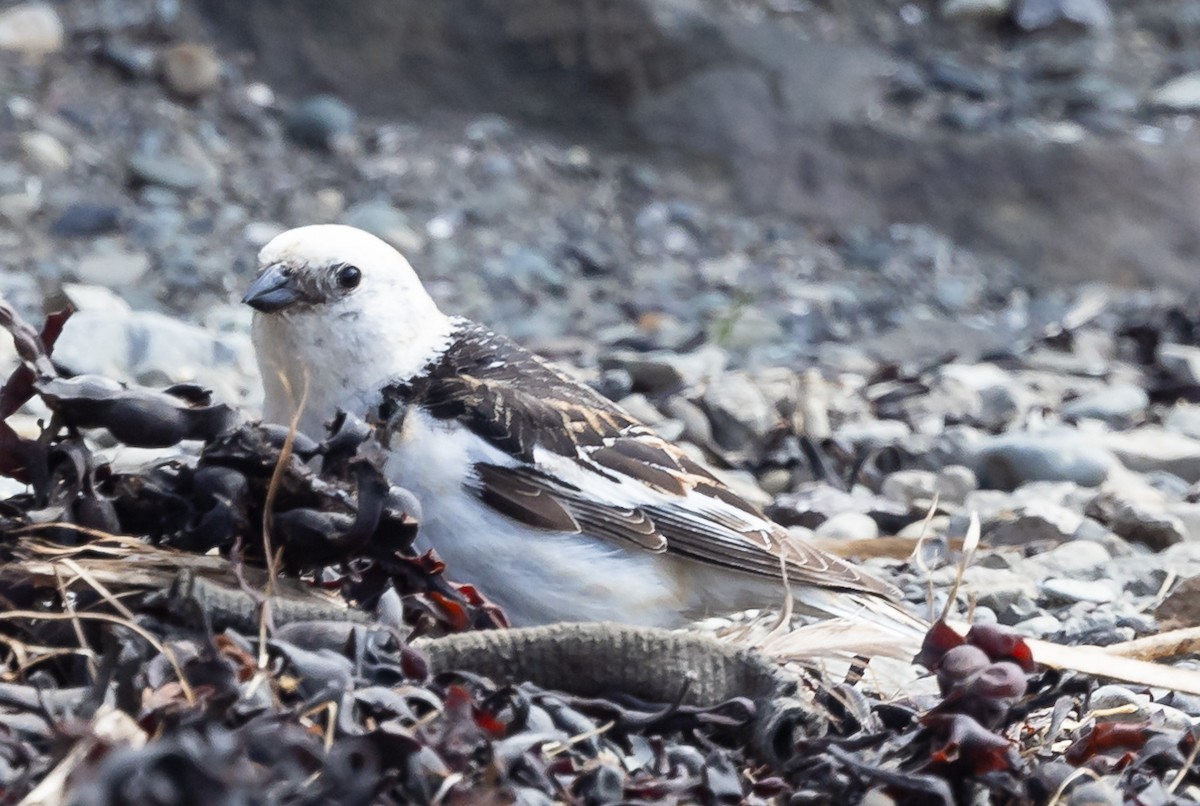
(273, 290)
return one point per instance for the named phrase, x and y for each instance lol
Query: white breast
(538, 577)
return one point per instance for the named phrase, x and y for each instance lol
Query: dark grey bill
(273, 290)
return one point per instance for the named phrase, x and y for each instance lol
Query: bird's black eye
(349, 277)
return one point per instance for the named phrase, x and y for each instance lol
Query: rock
(975, 9)
(1180, 94)
(913, 488)
(156, 350)
(1156, 530)
(321, 122)
(954, 483)
(383, 220)
(110, 264)
(169, 171)
(1181, 361)
(740, 413)
(1078, 590)
(873, 433)
(1034, 14)
(85, 220)
(1118, 698)
(696, 425)
(1094, 793)
(1034, 523)
(1040, 626)
(1183, 418)
(660, 371)
(1078, 559)
(32, 29)
(1181, 608)
(1116, 405)
(849, 526)
(190, 70)
(1007, 461)
(1150, 448)
(45, 152)
(1009, 594)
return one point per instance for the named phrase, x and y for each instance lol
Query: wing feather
(582, 465)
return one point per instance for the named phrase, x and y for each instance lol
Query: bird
(550, 498)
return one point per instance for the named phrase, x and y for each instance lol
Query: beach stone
(1115, 405)
(1038, 522)
(190, 70)
(849, 526)
(1152, 448)
(1007, 461)
(32, 29)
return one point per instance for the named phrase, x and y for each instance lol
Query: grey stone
(381, 218)
(113, 265)
(913, 488)
(322, 122)
(1115, 405)
(1007, 461)
(740, 413)
(1034, 14)
(1151, 448)
(190, 70)
(32, 29)
(85, 220)
(954, 483)
(1039, 522)
(663, 370)
(1181, 361)
(849, 526)
(1078, 590)
(1039, 626)
(873, 433)
(1076, 559)
(168, 171)
(696, 426)
(1183, 418)
(45, 151)
(1113, 697)
(1180, 94)
(1157, 530)
(1094, 793)
(975, 9)
(153, 349)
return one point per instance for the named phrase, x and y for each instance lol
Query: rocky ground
(849, 378)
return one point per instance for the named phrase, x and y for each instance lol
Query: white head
(341, 313)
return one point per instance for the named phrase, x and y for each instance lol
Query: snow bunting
(554, 501)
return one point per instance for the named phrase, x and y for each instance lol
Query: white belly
(538, 577)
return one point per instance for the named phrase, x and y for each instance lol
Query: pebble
(382, 219)
(1035, 523)
(975, 9)
(913, 488)
(168, 171)
(45, 152)
(1183, 418)
(1116, 405)
(321, 122)
(1007, 461)
(1180, 94)
(86, 219)
(1181, 361)
(1094, 793)
(1078, 590)
(154, 349)
(32, 29)
(740, 413)
(1156, 530)
(1151, 448)
(190, 70)
(1034, 14)
(111, 265)
(849, 526)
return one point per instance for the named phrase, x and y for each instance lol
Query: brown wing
(587, 467)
